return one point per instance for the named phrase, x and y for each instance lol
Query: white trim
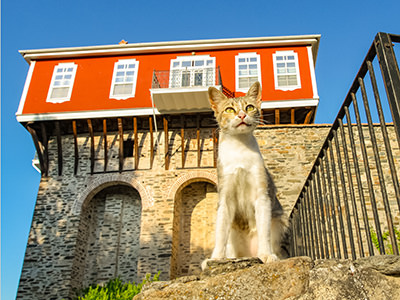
(312, 72)
(86, 114)
(289, 103)
(70, 87)
(145, 111)
(296, 58)
(173, 46)
(246, 55)
(136, 70)
(26, 87)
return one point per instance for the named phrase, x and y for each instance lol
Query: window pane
(252, 67)
(120, 67)
(243, 72)
(199, 63)
(282, 80)
(292, 80)
(131, 66)
(279, 58)
(290, 57)
(186, 64)
(241, 60)
(123, 89)
(210, 62)
(242, 67)
(198, 79)
(185, 79)
(59, 93)
(176, 64)
(130, 73)
(253, 59)
(243, 83)
(58, 77)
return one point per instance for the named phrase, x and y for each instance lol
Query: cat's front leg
(263, 222)
(222, 229)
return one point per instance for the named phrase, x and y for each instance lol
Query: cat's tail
(279, 231)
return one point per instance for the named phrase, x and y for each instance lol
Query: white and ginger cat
(250, 220)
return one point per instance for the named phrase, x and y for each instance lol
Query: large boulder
(294, 278)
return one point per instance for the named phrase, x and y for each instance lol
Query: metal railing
(350, 203)
(189, 77)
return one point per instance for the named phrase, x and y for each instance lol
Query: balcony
(185, 90)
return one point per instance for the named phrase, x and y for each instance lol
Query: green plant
(386, 240)
(115, 289)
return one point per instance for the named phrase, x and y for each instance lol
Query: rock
(294, 278)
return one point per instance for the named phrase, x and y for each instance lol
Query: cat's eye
(230, 110)
(250, 107)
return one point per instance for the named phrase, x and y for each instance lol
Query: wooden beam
(307, 119)
(121, 145)
(76, 152)
(45, 145)
(277, 116)
(166, 142)
(183, 140)
(292, 116)
(59, 148)
(198, 141)
(136, 144)
(38, 148)
(105, 144)
(215, 146)
(92, 153)
(151, 142)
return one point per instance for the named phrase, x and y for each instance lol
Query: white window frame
(192, 70)
(114, 83)
(297, 73)
(54, 79)
(246, 56)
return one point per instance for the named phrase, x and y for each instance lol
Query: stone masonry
(91, 228)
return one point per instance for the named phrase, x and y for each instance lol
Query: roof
(173, 46)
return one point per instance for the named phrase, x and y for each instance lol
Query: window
(123, 84)
(192, 71)
(61, 83)
(248, 70)
(286, 70)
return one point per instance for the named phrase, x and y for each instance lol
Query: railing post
(390, 74)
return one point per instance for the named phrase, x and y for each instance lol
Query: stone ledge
(294, 278)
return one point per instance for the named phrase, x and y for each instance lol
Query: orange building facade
(171, 77)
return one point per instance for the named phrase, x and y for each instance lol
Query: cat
(250, 220)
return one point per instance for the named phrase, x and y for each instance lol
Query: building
(127, 147)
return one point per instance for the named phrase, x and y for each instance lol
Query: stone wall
(87, 228)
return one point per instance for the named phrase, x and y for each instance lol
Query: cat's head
(236, 115)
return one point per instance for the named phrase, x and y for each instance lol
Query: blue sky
(347, 29)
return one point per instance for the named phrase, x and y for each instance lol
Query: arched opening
(193, 227)
(109, 234)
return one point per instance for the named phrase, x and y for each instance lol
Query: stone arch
(195, 206)
(108, 241)
(190, 177)
(98, 183)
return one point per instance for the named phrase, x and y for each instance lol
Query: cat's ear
(215, 97)
(255, 92)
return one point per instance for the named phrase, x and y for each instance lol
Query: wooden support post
(183, 140)
(198, 141)
(151, 142)
(59, 147)
(105, 144)
(166, 142)
(92, 153)
(121, 145)
(136, 143)
(76, 152)
(277, 116)
(215, 146)
(45, 145)
(292, 116)
(37, 147)
(307, 119)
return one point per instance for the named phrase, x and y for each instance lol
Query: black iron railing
(189, 78)
(350, 203)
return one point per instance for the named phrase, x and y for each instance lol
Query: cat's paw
(267, 258)
(204, 263)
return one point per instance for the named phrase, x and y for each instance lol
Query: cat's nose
(241, 114)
